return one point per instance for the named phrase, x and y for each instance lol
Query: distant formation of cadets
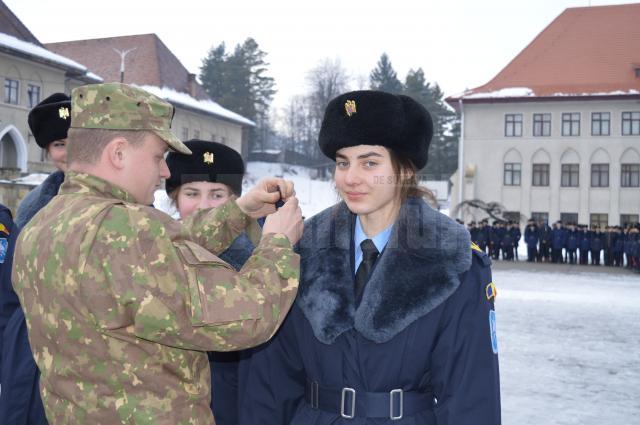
(570, 243)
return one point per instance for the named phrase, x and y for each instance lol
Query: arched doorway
(13, 149)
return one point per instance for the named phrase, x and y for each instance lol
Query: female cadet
(207, 179)
(394, 319)
(20, 400)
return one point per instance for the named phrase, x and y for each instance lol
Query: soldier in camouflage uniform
(121, 301)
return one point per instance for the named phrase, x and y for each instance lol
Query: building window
(569, 218)
(213, 137)
(600, 123)
(33, 93)
(513, 125)
(599, 220)
(628, 220)
(223, 140)
(541, 125)
(512, 174)
(540, 217)
(630, 175)
(599, 175)
(631, 123)
(540, 175)
(196, 134)
(185, 134)
(570, 175)
(11, 91)
(571, 124)
(512, 216)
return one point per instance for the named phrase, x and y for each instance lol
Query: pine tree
(239, 82)
(213, 71)
(384, 77)
(443, 151)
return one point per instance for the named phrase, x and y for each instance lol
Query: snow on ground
(569, 345)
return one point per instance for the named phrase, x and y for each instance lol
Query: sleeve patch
(492, 328)
(491, 291)
(4, 244)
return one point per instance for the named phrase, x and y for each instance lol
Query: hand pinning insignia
(350, 107)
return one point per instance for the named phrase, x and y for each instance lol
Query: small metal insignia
(350, 107)
(491, 291)
(208, 158)
(63, 112)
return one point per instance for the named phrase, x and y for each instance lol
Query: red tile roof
(151, 63)
(586, 51)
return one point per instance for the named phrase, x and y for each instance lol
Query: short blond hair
(85, 145)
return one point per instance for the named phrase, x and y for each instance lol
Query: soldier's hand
(261, 199)
(287, 220)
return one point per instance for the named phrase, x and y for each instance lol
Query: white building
(556, 134)
(29, 73)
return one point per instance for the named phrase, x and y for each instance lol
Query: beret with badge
(210, 162)
(49, 120)
(370, 117)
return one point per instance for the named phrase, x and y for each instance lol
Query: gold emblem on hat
(63, 112)
(350, 107)
(208, 158)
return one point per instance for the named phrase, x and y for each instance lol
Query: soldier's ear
(116, 151)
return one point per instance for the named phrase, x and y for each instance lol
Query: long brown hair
(408, 179)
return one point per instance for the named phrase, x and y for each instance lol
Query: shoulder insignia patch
(491, 291)
(4, 229)
(484, 258)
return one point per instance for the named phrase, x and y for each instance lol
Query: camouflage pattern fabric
(122, 301)
(116, 106)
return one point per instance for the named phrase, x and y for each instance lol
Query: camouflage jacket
(122, 302)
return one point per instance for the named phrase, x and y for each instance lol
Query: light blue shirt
(380, 241)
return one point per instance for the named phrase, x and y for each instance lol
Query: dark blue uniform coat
(20, 402)
(424, 326)
(224, 365)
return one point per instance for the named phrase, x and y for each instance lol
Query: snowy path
(569, 347)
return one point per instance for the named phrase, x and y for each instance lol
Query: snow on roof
(31, 49)
(506, 92)
(202, 105)
(612, 93)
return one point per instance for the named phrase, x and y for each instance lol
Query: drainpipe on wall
(460, 158)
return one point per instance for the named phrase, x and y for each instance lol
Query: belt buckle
(392, 393)
(347, 390)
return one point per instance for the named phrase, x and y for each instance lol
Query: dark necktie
(369, 256)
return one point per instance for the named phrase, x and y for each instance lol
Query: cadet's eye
(342, 164)
(370, 164)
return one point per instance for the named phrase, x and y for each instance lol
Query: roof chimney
(192, 86)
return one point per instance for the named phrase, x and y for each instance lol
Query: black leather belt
(349, 403)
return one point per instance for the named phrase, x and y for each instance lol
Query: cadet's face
(58, 153)
(201, 195)
(148, 168)
(366, 181)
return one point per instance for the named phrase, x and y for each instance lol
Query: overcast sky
(458, 43)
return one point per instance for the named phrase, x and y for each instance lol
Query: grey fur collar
(38, 198)
(417, 271)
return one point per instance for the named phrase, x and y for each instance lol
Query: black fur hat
(377, 118)
(49, 120)
(210, 161)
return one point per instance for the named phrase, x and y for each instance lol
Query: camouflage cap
(117, 106)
